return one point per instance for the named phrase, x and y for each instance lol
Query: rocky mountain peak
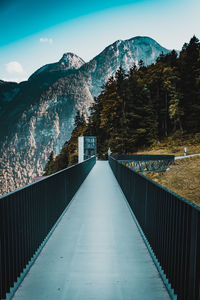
(71, 61)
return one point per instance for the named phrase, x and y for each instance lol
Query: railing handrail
(142, 156)
(42, 179)
(162, 187)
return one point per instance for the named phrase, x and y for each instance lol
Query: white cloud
(14, 67)
(14, 79)
(46, 40)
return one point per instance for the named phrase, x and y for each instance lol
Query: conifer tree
(49, 165)
(79, 119)
(190, 70)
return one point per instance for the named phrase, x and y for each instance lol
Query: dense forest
(142, 107)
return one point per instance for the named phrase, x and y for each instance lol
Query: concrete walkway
(96, 252)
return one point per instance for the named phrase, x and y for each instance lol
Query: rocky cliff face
(38, 116)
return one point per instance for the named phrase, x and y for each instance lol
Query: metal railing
(27, 216)
(146, 163)
(171, 225)
(138, 157)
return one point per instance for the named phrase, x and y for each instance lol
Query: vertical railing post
(145, 205)
(194, 257)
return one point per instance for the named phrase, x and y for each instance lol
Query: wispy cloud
(14, 67)
(46, 40)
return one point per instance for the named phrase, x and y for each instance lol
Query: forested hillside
(141, 107)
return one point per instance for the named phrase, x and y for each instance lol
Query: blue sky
(34, 33)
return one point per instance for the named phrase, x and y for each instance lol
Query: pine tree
(170, 83)
(141, 63)
(189, 64)
(121, 81)
(79, 119)
(49, 165)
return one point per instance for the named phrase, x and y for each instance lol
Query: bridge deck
(96, 251)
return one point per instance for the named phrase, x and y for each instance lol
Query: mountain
(39, 116)
(8, 91)
(121, 53)
(69, 61)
